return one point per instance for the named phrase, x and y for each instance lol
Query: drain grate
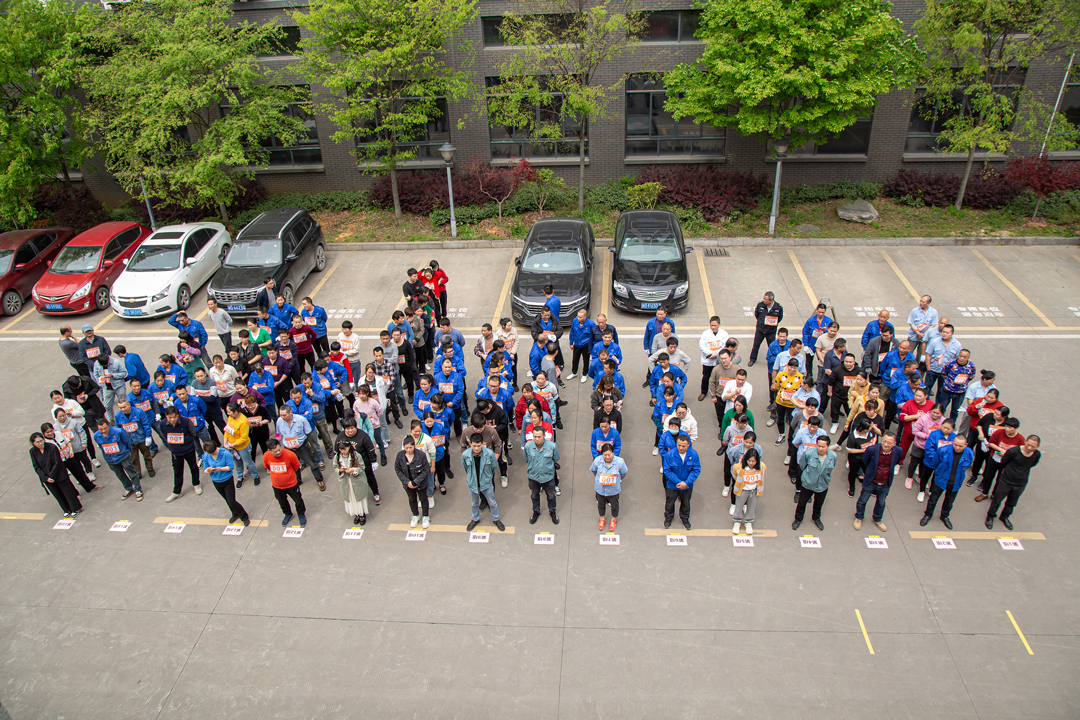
(716, 252)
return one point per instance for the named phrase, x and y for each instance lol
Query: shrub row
(56, 206)
(173, 212)
(985, 190)
(716, 193)
(842, 189)
(1062, 206)
(340, 200)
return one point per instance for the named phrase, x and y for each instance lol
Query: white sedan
(168, 268)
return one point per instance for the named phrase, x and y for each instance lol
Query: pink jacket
(923, 427)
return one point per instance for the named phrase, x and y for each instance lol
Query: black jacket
(416, 472)
(762, 311)
(536, 327)
(496, 417)
(47, 464)
(77, 385)
(361, 442)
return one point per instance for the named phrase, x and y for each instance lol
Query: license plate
(650, 306)
(236, 308)
(132, 311)
(53, 306)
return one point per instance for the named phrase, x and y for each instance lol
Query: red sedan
(24, 256)
(80, 277)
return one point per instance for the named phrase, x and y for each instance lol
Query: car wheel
(183, 298)
(320, 258)
(101, 298)
(12, 302)
(287, 293)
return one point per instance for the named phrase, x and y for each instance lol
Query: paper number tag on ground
(742, 540)
(233, 530)
(676, 540)
(479, 537)
(609, 539)
(63, 524)
(353, 534)
(876, 543)
(293, 532)
(944, 543)
(543, 539)
(175, 528)
(121, 526)
(1010, 544)
(810, 542)
(416, 535)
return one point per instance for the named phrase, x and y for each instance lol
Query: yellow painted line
(21, 516)
(205, 521)
(928, 535)
(705, 283)
(605, 284)
(1075, 256)
(503, 296)
(706, 532)
(108, 317)
(452, 528)
(802, 276)
(1019, 632)
(899, 274)
(28, 309)
(1012, 287)
(865, 636)
(325, 278)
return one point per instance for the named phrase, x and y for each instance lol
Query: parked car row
(142, 273)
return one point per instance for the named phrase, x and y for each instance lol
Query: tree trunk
(394, 191)
(221, 208)
(964, 181)
(67, 177)
(581, 170)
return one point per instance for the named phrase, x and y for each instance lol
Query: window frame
(1017, 85)
(564, 141)
(682, 24)
(657, 139)
(304, 145)
(427, 150)
(485, 21)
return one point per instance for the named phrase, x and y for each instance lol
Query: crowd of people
(288, 397)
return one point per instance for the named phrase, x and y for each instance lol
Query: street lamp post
(780, 148)
(447, 151)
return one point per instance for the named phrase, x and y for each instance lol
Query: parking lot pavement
(147, 624)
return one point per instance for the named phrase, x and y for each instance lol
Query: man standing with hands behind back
(769, 314)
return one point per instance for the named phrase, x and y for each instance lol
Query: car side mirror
(290, 257)
(611, 249)
(517, 261)
(689, 249)
(189, 261)
(107, 263)
(20, 266)
(125, 261)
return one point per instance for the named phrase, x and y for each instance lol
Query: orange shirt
(282, 469)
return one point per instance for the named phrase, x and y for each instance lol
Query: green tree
(806, 69)
(386, 59)
(179, 98)
(40, 135)
(564, 46)
(978, 53)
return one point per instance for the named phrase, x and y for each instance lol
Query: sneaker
(836, 448)
(667, 524)
(67, 515)
(92, 476)
(771, 421)
(378, 500)
(504, 482)
(726, 492)
(499, 524)
(397, 421)
(173, 496)
(426, 523)
(970, 481)
(656, 451)
(584, 378)
(302, 519)
(908, 483)
(288, 519)
(600, 526)
(787, 459)
(735, 529)
(138, 497)
(880, 525)
(749, 528)
(731, 510)
(571, 376)
(97, 463)
(614, 522)
(780, 439)
(240, 483)
(431, 502)
(847, 464)
(509, 444)
(686, 524)
(129, 493)
(558, 491)
(198, 489)
(896, 471)
(832, 430)
(257, 480)
(415, 520)
(920, 497)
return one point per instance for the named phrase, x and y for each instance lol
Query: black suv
(650, 262)
(285, 245)
(557, 252)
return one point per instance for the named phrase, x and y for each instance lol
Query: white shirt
(226, 375)
(688, 425)
(711, 344)
(350, 345)
(747, 391)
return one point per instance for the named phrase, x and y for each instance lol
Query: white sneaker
(921, 496)
(504, 481)
(787, 459)
(92, 476)
(173, 496)
(426, 523)
(558, 490)
(834, 447)
(771, 422)
(414, 521)
(198, 489)
(571, 376)
(847, 464)
(896, 471)
(656, 451)
(431, 502)
(749, 528)
(97, 463)
(832, 430)
(584, 378)
(731, 510)
(735, 530)
(727, 490)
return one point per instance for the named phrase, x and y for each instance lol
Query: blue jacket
(581, 333)
(617, 378)
(555, 304)
(163, 396)
(404, 327)
(194, 327)
(456, 392)
(263, 383)
(667, 441)
(194, 410)
(870, 462)
(808, 328)
(596, 334)
(284, 314)
(120, 439)
(304, 408)
(455, 335)
(536, 356)
(873, 330)
(422, 400)
(179, 438)
(598, 440)
(438, 432)
(274, 326)
(458, 358)
(933, 446)
(658, 372)
(504, 397)
(943, 466)
(614, 351)
(136, 370)
(677, 470)
(891, 368)
(319, 326)
(223, 458)
(175, 374)
(136, 424)
(661, 409)
(651, 329)
(775, 348)
(144, 401)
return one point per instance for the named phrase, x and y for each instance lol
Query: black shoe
(247, 521)
(287, 520)
(397, 421)
(382, 459)
(947, 522)
(645, 384)
(851, 493)
(796, 495)
(558, 466)
(449, 474)
(751, 363)
(558, 424)
(509, 460)
(256, 481)
(686, 524)
(239, 484)
(667, 524)
(1007, 523)
(233, 519)
(363, 519)
(925, 519)
(970, 481)
(355, 519)
(819, 525)
(405, 411)
(795, 524)
(719, 452)
(499, 524)
(472, 524)
(989, 523)
(534, 518)
(554, 518)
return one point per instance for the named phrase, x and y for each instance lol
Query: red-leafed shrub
(1043, 177)
(499, 182)
(421, 191)
(985, 190)
(171, 212)
(715, 192)
(81, 212)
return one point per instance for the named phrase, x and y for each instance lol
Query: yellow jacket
(744, 477)
(786, 384)
(237, 432)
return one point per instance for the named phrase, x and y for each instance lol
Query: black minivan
(284, 244)
(650, 262)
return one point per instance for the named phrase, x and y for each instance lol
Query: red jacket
(439, 278)
(522, 408)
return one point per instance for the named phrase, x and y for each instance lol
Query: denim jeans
(489, 494)
(880, 492)
(248, 464)
(125, 472)
(950, 401)
(932, 378)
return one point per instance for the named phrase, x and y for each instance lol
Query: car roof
(556, 229)
(184, 229)
(15, 238)
(647, 222)
(269, 224)
(103, 233)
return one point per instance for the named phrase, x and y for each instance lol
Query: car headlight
(82, 292)
(209, 292)
(161, 294)
(620, 289)
(682, 289)
(33, 292)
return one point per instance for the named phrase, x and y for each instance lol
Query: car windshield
(553, 258)
(76, 260)
(649, 247)
(5, 260)
(155, 258)
(255, 253)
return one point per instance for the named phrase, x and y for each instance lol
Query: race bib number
(325, 383)
(171, 377)
(222, 386)
(174, 438)
(287, 354)
(290, 442)
(751, 479)
(65, 452)
(817, 332)
(314, 407)
(111, 448)
(424, 404)
(607, 478)
(439, 440)
(69, 434)
(279, 468)
(787, 395)
(881, 356)
(601, 443)
(272, 369)
(401, 360)
(144, 406)
(920, 327)
(202, 393)
(943, 443)
(849, 381)
(771, 320)
(960, 380)
(446, 388)
(509, 344)
(310, 321)
(161, 397)
(93, 352)
(130, 427)
(715, 346)
(80, 398)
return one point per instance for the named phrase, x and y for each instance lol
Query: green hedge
(337, 201)
(1062, 206)
(842, 189)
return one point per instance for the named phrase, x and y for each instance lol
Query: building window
(929, 115)
(852, 140)
(652, 131)
(493, 25)
(427, 140)
(306, 151)
(287, 44)
(559, 134)
(671, 26)
(1070, 99)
